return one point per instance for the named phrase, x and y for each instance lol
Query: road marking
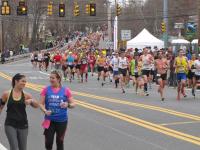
(2, 147)
(136, 121)
(133, 120)
(179, 123)
(112, 100)
(142, 123)
(44, 73)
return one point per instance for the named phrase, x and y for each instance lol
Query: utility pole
(109, 21)
(115, 29)
(165, 19)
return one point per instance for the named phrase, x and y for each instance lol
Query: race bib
(158, 75)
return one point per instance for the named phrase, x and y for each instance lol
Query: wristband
(2, 103)
(69, 105)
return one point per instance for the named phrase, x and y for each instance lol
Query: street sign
(179, 25)
(125, 35)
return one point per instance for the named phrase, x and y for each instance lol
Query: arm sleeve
(44, 91)
(68, 93)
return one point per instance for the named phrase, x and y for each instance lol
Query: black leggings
(55, 127)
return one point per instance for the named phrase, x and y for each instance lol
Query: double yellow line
(129, 119)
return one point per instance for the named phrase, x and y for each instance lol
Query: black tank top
(16, 112)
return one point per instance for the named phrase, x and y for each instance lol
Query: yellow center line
(133, 120)
(101, 98)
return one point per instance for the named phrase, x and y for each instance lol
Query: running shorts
(181, 76)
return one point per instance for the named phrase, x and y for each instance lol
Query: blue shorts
(115, 73)
(181, 76)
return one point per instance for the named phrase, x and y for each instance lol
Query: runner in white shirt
(147, 61)
(115, 66)
(123, 65)
(196, 74)
(40, 59)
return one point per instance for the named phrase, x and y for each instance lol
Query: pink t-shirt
(55, 90)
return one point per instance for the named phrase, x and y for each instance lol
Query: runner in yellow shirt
(181, 66)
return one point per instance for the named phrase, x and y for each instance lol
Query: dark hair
(58, 75)
(17, 77)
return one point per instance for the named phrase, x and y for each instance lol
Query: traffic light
(22, 9)
(163, 27)
(50, 9)
(118, 10)
(76, 9)
(92, 9)
(61, 10)
(5, 8)
(87, 9)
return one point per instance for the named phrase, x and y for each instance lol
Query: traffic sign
(125, 35)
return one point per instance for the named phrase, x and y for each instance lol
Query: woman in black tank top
(16, 123)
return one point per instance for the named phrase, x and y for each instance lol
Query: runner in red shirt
(57, 59)
(92, 61)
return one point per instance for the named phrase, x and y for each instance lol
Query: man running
(181, 67)
(101, 61)
(84, 67)
(40, 59)
(70, 64)
(134, 71)
(161, 65)
(92, 61)
(46, 60)
(147, 60)
(196, 74)
(115, 66)
(123, 65)
(57, 59)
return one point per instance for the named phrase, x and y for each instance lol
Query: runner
(64, 65)
(196, 75)
(161, 65)
(105, 72)
(40, 60)
(84, 67)
(70, 65)
(140, 78)
(57, 59)
(78, 66)
(191, 71)
(54, 101)
(115, 66)
(134, 71)
(16, 123)
(147, 60)
(35, 59)
(181, 66)
(92, 61)
(101, 61)
(46, 60)
(123, 65)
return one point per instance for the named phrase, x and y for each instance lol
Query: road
(106, 119)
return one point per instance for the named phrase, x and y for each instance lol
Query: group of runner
(125, 68)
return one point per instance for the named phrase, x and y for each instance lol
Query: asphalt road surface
(106, 119)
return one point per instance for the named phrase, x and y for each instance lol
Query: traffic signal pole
(116, 29)
(165, 19)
